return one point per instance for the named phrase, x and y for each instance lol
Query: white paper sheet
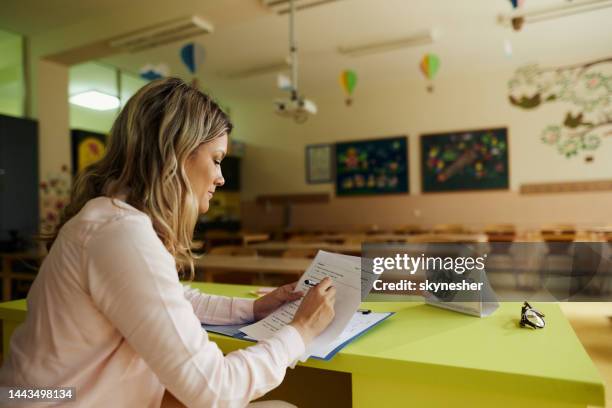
(358, 323)
(345, 272)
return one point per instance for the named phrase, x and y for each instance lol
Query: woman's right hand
(316, 310)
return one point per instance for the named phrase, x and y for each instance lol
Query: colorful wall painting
(369, 167)
(465, 160)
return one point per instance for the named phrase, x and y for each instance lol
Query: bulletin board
(378, 166)
(465, 160)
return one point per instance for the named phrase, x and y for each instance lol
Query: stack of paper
(346, 274)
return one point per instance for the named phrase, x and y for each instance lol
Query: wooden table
(211, 264)
(217, 237)
(277, 248)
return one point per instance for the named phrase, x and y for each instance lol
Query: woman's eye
(218, 162)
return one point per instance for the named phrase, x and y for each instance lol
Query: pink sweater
(108, 315)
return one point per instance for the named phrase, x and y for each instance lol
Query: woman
(107, 313)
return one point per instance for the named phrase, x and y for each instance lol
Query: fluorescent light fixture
(95, 100)
(256, 70)
(282, 6)
(522, 16)
(162, 33)
(420, 38)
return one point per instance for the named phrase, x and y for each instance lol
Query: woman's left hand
(273, 300)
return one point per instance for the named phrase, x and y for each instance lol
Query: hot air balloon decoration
(192, 55)
(429, 67)
(517, 22)
(348, 80)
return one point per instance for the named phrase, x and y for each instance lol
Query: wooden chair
(355, 238)
(449, 229)
(409, 229)
(558, 233)
(500, 232)
(233, 250)
(300, 253)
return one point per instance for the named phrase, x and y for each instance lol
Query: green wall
(11, 74)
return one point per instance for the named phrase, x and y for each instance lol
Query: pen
(364, 311)
(312, 283)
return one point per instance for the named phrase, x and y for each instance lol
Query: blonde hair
(157, 130)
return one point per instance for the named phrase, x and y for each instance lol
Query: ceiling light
(95, 100)
(256, 70)
(161, 34)
(420, 38)
(282, 6)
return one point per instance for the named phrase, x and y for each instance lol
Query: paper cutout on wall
(54, 196)
(588, 87)
(87, 148)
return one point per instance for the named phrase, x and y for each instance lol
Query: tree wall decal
(586, 87)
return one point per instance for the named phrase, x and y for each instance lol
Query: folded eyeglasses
(531, 317)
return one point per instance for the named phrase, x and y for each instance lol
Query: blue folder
(234, 331)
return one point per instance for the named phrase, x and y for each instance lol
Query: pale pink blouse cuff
(213, 309)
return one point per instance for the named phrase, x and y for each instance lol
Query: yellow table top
(421, 343)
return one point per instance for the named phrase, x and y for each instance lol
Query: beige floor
(592, 323)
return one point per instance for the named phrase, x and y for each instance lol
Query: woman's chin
(204, 206)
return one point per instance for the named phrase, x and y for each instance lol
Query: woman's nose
(219, 181)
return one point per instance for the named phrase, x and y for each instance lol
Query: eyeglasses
(531, 317)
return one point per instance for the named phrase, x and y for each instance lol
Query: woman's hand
(275, 299)
(316, 310)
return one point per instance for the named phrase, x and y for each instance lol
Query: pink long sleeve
(108, 315)
(211, 309)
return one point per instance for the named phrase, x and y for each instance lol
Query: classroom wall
(274, 161)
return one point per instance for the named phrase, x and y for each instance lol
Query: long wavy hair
(152, 138)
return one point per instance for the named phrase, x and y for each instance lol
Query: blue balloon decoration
(515, 3)
(192, 56)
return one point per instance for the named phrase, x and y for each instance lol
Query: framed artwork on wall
(465, 160)
(319, 163)
(87, 148)
(370, 167)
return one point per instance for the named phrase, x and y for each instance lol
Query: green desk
(424, 356)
